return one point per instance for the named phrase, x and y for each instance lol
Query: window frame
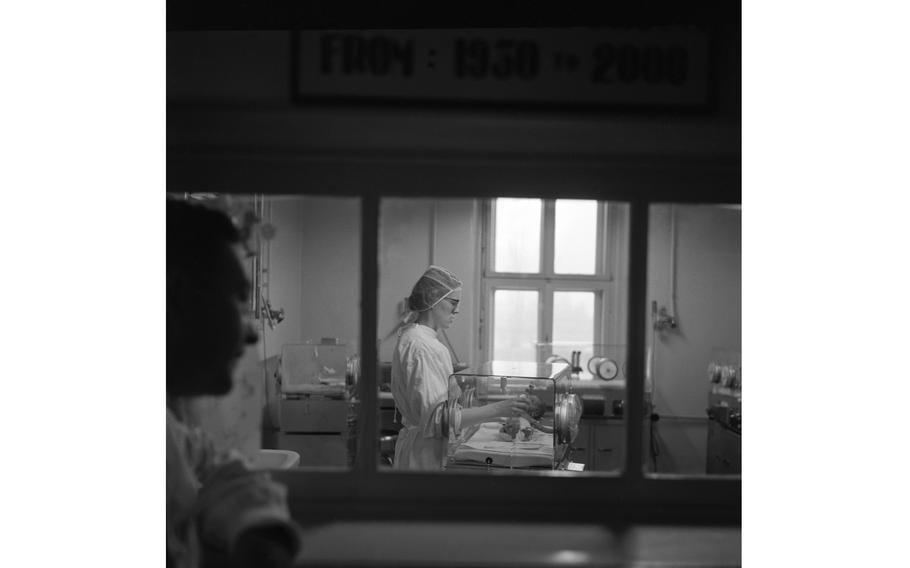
(366, 492)
(609, 258)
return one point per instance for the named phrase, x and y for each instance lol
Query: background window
(575, 249)
(549, 282)
(573, 321)
(516, 324)
(517, 239)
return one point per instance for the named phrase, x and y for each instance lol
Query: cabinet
(600, 444)
(316, 428)
(724, 450)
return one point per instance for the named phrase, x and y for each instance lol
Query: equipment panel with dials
(725, 414)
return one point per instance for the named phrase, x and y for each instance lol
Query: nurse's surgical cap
(435, 284)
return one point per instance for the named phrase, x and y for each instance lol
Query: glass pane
(573, 323)
(517, 235)
(576, 237)
(515, 325)
(489, 439)
(694, 340)
(292, 403)
(413, 234)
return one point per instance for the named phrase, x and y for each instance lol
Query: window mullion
(602, 244)
(548, 238)
(635, 360)
(367, 458)
(489, 246)
(545, 333)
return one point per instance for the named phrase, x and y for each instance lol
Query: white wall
(708, 310)
(314, 269)
(314, 265)
(283, 253)
(414, 234)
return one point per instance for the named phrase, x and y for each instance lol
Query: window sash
(590, 496)
(547, 244)
(609, 255)
(545, 288)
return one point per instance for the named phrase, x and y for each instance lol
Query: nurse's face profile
(445, 311)
(212, 328)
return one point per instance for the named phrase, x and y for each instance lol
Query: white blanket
(486, 443)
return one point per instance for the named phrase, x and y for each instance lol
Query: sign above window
(650, 67)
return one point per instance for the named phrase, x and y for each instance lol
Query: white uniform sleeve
(428, 380)
(232, 498)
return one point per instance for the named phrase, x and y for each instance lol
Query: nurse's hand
(513, 407)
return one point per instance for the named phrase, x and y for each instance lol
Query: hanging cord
(265, 376)
(654, 443)
(673, 239)
(264, 293)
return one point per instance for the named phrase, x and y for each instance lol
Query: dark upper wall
(232, 126)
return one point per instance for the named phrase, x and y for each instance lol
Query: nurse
(421, 366)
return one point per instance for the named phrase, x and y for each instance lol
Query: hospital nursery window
(550, 274)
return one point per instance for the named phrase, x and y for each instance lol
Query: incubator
(316, 407)
(326, 367)
(542, 440)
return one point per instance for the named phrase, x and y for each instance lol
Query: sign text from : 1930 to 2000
(504, 59)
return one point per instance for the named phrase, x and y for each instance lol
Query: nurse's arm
(490, 412)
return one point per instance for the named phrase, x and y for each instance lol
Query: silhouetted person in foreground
(219, 512)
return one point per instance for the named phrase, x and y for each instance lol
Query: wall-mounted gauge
(603, 367)
(607, 369)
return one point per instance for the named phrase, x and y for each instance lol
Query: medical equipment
(317, 379)
(600, 363)
(544, 443)
(724, 447)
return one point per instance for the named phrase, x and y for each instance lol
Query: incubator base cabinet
(600, 444)
(543, 442)
(315, 410)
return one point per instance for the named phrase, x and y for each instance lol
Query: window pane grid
(515, 324)
(630, 480)
(563, 241)
(517, 228)
(575, 237)
(573, 321)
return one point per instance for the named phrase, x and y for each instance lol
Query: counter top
(588, 389)
(581, 386)
(451, 544)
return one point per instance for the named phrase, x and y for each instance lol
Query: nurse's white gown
(421, 366)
